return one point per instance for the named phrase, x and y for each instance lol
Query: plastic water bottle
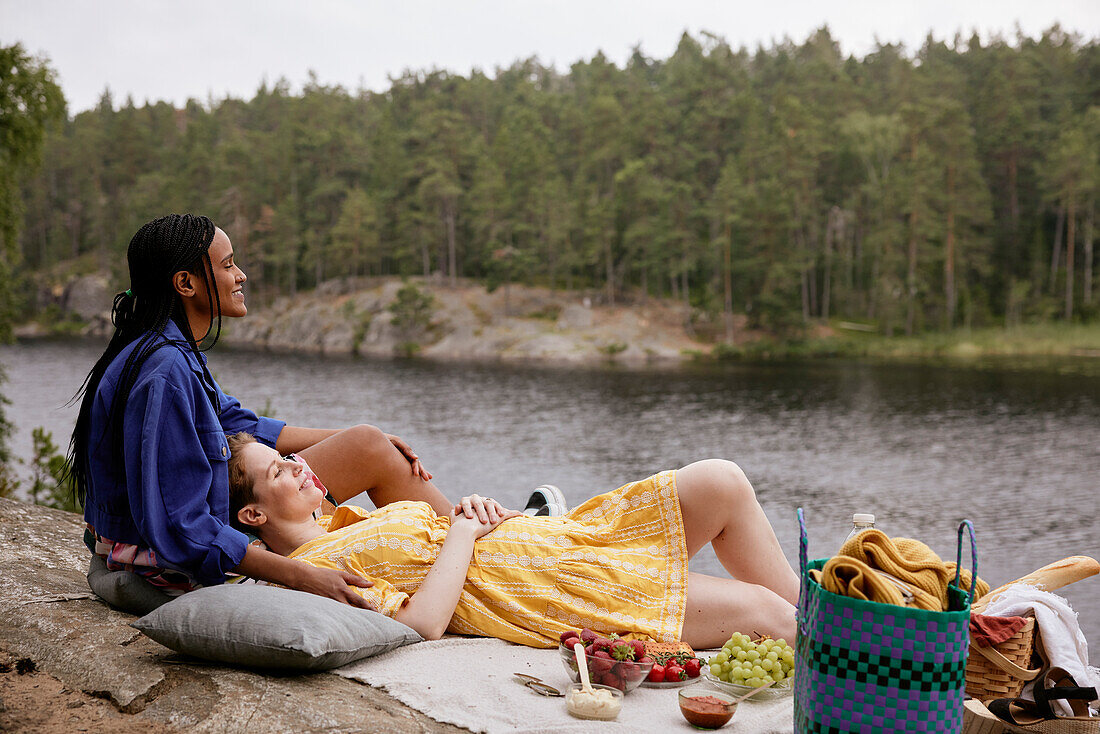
(860, 522)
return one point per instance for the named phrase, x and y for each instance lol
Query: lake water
(1014, 448)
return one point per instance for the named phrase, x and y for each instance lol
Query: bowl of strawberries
(612, 661)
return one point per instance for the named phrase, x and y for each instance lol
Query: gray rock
(351, 315)
(575, 316)
(380, 338)
(338, 339)
(45, 615)
(87, 296)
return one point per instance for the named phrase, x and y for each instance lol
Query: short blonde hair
(241, 485)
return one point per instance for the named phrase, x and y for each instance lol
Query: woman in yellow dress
(617, 563)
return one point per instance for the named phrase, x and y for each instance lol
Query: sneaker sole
(559, 498)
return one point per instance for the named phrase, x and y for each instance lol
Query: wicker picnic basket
(1002, 671)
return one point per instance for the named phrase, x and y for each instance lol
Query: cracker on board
(652, 647)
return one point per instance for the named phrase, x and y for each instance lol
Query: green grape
(781, 642)
(767, 664)
(715, 669)
(742, 655)
(721, 657)
(752, 655)
(754, 682)
(772, 655)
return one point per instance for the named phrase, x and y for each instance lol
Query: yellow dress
(617, 563)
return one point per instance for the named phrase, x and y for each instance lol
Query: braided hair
(159, 250)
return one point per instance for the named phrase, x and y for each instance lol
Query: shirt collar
(174, 334)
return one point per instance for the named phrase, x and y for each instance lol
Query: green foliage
(547, 313)
(8, 481)
(412, 315)
(51, 485)
(928, 190)
(407, 349)
(30, 100)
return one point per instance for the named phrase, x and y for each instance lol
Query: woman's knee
(367, 437)
(724, 476)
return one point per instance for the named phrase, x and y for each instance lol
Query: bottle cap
(862, 518)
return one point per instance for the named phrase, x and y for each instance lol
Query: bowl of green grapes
(744, 664)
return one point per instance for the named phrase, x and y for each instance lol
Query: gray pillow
(124, 590)
(272, 627)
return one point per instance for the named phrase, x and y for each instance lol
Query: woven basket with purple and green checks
(867, 667)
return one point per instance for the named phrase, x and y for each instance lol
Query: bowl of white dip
(601, 703)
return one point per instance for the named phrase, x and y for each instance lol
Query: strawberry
(587, 636)
(639, 649)
(569, 642)
(613, 679)
(567, 634)
(656, 674)
(601, 662)
(602, 643)
(622, 651)
(692, 668)
(590, 650)
(632, 672)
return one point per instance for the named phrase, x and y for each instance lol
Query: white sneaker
(546, 501)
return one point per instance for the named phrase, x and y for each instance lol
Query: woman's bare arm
(430, 609)
(267, 566)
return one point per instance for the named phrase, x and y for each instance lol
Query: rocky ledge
(48, 618)
(465, 322)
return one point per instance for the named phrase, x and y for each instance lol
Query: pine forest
(954, 186)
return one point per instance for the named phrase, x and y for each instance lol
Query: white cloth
(468, 682)
(1064, 645)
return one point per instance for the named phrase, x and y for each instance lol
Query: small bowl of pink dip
(705, 707)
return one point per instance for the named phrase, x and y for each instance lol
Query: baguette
(1048, 578)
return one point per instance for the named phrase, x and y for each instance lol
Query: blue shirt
(172, 495)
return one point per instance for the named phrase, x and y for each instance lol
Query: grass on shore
(1027, 340)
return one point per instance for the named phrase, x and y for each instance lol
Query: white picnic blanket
(469, 683)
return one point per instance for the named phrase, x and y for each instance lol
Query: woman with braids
(149, 451)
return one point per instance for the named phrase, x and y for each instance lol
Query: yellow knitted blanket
(874, 567)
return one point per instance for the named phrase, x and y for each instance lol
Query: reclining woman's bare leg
(362, 459)
(716, 608)
(719, 507)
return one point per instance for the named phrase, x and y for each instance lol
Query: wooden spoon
(733, 704)
(582, 668)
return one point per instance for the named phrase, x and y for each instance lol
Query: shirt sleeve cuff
(226, 553)
(268, 430)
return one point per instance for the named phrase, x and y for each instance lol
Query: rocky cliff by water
(515, 323)
(387, 317)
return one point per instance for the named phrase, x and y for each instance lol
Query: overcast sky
(155, 49)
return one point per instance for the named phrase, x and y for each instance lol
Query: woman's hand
(332, 584)
(417, 468)
(480, 513)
